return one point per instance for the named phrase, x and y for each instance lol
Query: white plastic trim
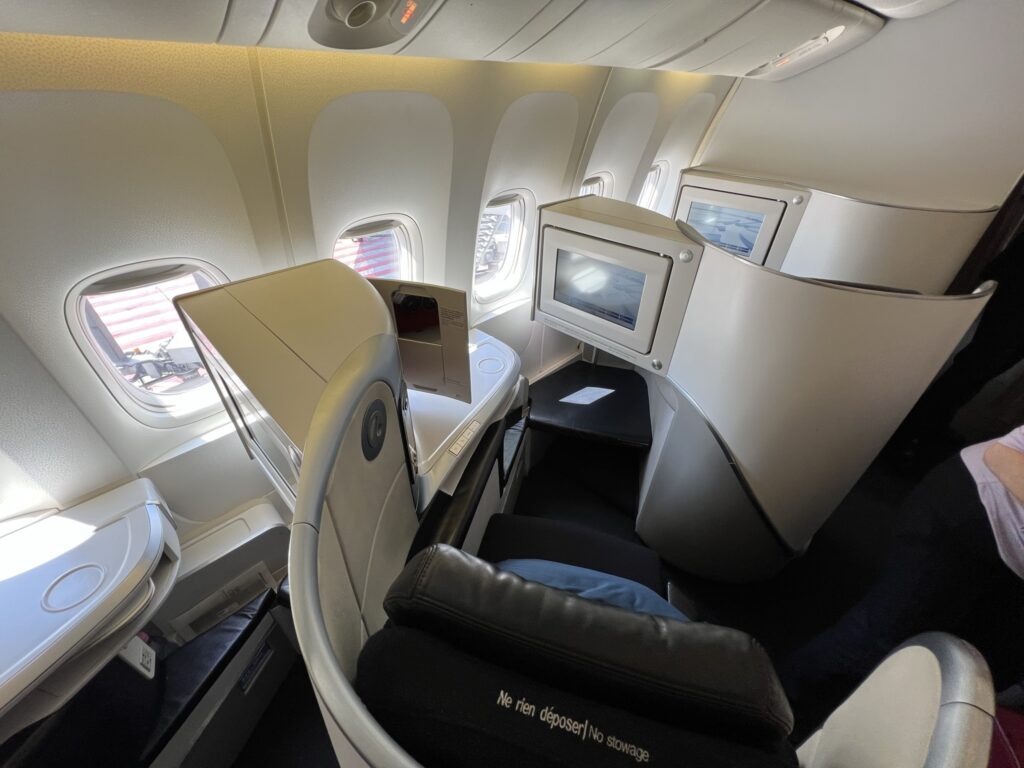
(150, 409)
(409, 233)
(515, 272)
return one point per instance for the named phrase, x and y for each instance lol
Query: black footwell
(291, 731)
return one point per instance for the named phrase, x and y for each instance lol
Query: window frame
(410, 266)
(150, 408)
(514, 266)
(602, 180)
(657, 189)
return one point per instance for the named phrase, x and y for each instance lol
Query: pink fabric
(1007, 740)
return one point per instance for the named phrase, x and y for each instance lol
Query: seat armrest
(930, 703)
(694, 675)
(448, 518)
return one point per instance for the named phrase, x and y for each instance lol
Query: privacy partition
(780, 392)
(771, 393)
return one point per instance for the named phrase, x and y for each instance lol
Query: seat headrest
(694, 675)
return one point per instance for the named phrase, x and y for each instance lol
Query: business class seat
(480, 667)
(446, 660)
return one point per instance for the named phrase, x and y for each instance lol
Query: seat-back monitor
(743, 225)
(605, 290)
(615, 275)
(733, 229)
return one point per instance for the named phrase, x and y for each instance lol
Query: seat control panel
(467, 434)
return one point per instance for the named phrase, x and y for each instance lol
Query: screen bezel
(654, 266)
(772, 210)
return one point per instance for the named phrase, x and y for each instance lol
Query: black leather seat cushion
(451, 709)
(621, 418)
(191, 670)
(284, 593)
(121, 719)
(694, 676)
(519, 536)
(448, 518)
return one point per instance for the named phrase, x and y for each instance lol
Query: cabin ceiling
(762, 39)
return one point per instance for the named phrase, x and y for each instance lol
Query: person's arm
(1008, 465)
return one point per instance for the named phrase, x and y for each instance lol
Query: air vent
(354, 16)
(365, 24)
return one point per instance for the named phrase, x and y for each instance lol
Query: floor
(591, 484)
(598, 485)
(291, 731)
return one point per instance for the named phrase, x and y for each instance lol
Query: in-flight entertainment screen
(608, 291)
(733, 229)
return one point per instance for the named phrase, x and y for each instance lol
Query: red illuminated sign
(410, 9)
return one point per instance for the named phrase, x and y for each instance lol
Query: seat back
(308, 362)
(354, 521)
(929, 704)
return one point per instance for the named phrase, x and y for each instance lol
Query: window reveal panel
(375, 255)
(140, 335)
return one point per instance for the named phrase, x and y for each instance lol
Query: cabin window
(599, 184)
(379, 249)
(498, 261)
(130, 331)
(651, 190)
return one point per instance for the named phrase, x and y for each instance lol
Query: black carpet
(583, 482)
(291, 731)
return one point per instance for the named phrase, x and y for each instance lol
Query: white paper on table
(586, 396)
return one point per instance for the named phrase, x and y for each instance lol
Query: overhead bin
(473, 30)
(904, 9)
(186, 21)
(768, 39)
(779, 39)
(674, 28)
(620, 34)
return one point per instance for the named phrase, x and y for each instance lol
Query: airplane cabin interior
(446, 383)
